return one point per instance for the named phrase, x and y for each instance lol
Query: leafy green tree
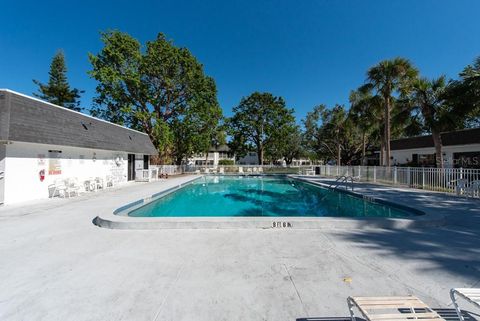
(365, 113)
(160, 89)
(332, 134)
(464, 93)
(387, 78)
(57, 91)
(257, 122)
(286, 145)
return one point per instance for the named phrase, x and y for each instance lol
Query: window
(426, 159)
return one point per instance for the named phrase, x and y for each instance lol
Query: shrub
(225, 162)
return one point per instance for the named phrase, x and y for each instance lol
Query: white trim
(72, 111)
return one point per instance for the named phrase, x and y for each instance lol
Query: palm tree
(387, 78)
(428, 97)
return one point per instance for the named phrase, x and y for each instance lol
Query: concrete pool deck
(56, 265)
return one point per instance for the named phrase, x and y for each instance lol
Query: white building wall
(405, 156)
(25, 161)
(212, 157)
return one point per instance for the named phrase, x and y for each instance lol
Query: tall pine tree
(58, 91)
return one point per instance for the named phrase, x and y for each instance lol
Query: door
(131, 167)
(2, 172)
(145, 161)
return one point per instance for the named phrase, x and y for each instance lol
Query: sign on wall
(54, 162)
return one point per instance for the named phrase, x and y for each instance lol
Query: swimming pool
(262, 196)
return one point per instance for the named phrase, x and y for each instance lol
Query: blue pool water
(261, 196)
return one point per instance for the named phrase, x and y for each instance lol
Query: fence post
(374, 174)
(395, 175)
(359, 172)
(423, 177)
(408, 177)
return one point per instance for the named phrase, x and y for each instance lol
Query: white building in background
(213, 157)
(41, 143)
(460, 149)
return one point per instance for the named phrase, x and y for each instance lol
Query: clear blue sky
(308, 51)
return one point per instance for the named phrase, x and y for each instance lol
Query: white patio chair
(254, 169)
(473, 189)
(109, 181)
(240, 169)
(460, 186)
(221, 170)
(72, 187)
(471, 295)
(89, 185)
(58, 187)
(260, 169)
(99, 184)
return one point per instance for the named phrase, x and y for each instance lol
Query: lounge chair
(392, 308)
(221, 170)
(471, 295)
(240, 169)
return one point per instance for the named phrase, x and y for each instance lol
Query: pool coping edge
(114, 221)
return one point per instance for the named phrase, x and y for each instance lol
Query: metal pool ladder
(343, 179)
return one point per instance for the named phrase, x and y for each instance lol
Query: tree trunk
(437, 141)
(381, 160)
(260, 154)
(364, 143)
(387, 131)
(339, 155)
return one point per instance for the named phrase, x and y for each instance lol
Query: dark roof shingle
(26, 119)
(459, 137)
